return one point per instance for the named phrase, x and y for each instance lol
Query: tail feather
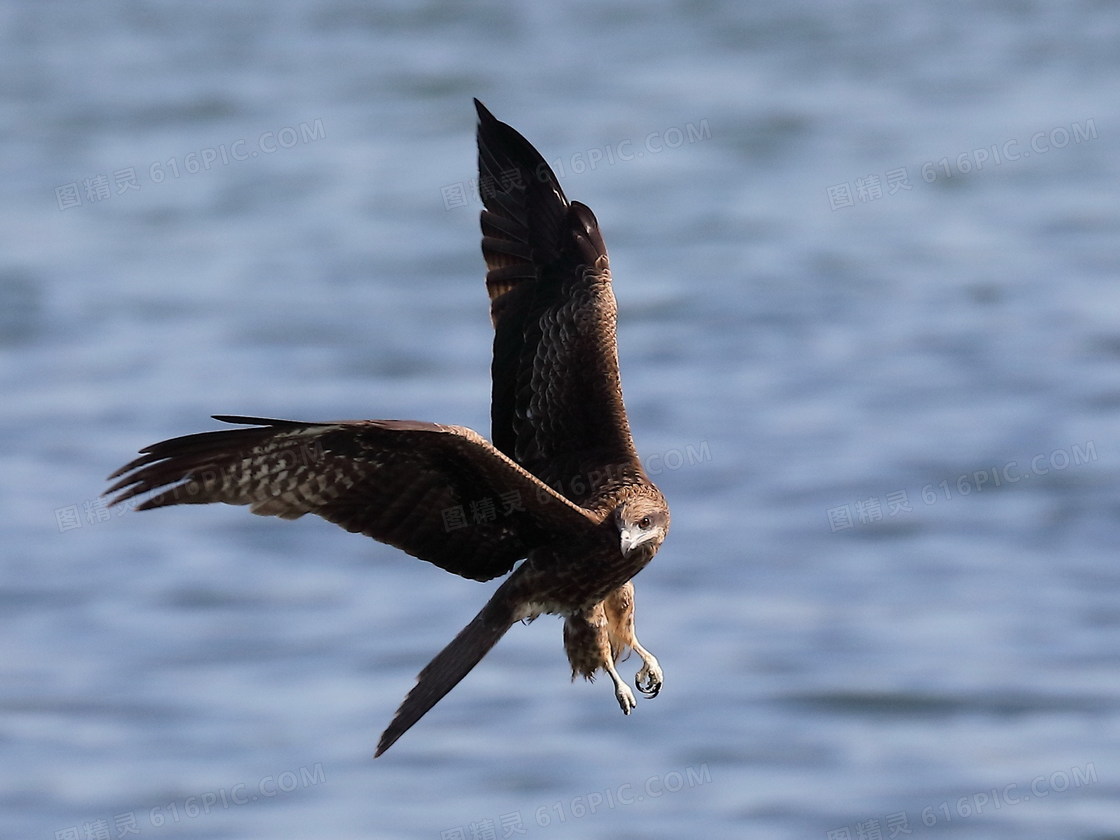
(449, 666)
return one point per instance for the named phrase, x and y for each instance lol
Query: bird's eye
(644, 523)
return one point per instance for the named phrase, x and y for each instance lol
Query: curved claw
(649, 679)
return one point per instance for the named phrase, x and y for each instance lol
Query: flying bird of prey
(561, 486)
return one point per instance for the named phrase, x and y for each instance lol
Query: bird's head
(642, 522)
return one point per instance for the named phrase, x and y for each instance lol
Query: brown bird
(561, 487)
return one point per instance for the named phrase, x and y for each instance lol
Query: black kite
(561, 487)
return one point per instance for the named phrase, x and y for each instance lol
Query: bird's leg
(619, 610)
(588, 645)
(622, 692)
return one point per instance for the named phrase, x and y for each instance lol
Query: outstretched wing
(557, 400)
(440, 493)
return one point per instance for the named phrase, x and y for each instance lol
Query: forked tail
(451, 664)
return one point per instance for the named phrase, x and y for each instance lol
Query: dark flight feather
(440, 493)
(450, 665)
(557, 398)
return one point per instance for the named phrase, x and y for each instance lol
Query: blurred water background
(866, 256)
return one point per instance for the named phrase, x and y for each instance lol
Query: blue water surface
(866, 257)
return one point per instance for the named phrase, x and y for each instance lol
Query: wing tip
(243, 420)
(385, 742)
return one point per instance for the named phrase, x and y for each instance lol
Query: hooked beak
(627, 541)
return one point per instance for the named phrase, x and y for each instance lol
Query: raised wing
(440, 493)
(557, 400)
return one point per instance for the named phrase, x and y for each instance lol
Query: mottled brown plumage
(561, 486)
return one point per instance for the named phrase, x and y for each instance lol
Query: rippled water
(866, 258)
